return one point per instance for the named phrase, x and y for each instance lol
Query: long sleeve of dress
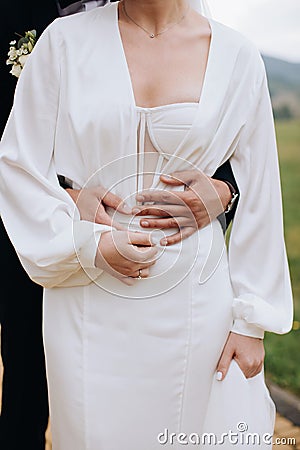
(257, 253)
(55, 247)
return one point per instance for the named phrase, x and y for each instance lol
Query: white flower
(19, 52)
(16, 70)
(22, 60)
(13, 53)
(24, 49)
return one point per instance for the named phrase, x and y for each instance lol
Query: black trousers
(24, 416)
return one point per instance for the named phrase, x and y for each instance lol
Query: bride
(147, 344)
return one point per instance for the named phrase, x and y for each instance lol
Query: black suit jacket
(17, 17)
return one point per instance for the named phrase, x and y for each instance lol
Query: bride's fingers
(103, 218)
(145, 265)
(129, 281)
(143, 273)
(224, 362)
(145, 256)
(249, 367)
(255, 371)
(115, 202)
(141, 239)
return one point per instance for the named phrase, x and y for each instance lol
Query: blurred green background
(282, 364)
(283, 352)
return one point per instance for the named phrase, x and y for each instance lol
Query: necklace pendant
(152, 35)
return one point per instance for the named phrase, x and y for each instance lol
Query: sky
(273, 25)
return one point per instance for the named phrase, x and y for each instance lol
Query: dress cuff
(86, 239)
(88, 251)
(240, 326)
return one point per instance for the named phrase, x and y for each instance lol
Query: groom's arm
(68, 7)
(224, 173)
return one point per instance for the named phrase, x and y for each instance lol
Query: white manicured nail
(126, 208)
(219, 376)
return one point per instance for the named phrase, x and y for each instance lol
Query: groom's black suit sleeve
(24, 415)
(18, 17)
(225, 172)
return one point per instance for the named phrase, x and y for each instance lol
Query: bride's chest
(165, 74)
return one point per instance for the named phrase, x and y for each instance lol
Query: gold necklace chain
(153, 35)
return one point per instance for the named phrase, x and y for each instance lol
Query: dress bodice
(161, 130)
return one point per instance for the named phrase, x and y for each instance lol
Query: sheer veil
(200, 6)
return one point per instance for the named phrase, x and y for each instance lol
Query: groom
(24, 416)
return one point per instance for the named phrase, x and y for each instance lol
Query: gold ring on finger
(139, 277)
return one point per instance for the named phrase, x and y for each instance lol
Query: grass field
(283, 352)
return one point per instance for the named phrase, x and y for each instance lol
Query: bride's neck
(155, 14)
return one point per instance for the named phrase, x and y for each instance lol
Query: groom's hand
(92, 202)
(202, 200)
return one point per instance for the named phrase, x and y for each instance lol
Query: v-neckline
(206, 73)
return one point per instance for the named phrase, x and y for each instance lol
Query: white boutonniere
(19, 52)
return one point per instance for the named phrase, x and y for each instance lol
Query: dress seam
(187, 359)
(84, 362)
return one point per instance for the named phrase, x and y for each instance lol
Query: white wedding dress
(146, 355)
(128, 366)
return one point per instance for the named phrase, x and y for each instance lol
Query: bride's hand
(126, 255)
(91, 203)
(248, 352)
